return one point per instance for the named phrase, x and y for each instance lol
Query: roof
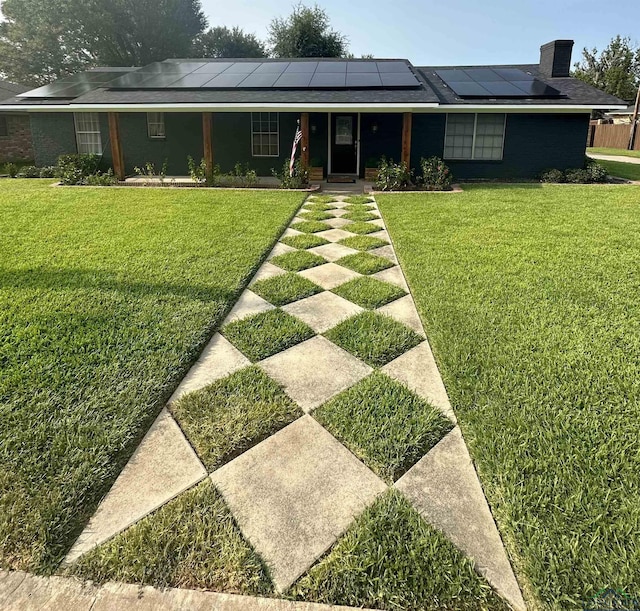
(623, 111)
(161, 85)
(9, 90)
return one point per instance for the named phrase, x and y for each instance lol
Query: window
(4, 127)
(474, 136)
(264, 134)
(88, 133)
(155, 125)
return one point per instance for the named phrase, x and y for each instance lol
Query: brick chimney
(555, 58)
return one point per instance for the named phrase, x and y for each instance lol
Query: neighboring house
(15, 130)
(505, 121)
(622, 116)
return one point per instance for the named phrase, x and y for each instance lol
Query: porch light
(374, 128)
(313, 128)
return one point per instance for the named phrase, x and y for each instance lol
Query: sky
(449, 32)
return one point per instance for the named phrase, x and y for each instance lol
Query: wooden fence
(612, 136)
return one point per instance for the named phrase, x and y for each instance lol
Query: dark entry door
(344, 143)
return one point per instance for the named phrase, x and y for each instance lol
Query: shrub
(11, 169)
(48, 171)
(597, 172)
(577, 176)
(393, 176)
(552, 176)
(299, 179)
(198, 172)
(436, 175)
(29, 171)
(99, 179)
(148, 170)
(73, 169)
(241, 176)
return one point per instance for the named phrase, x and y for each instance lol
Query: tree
(44, 39)
(615, 70)
(225, 42)
(306, 32)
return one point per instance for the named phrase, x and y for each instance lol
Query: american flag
(296, 139)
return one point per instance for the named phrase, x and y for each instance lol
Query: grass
(362, 228)
(191, 542)
(297, 260)
(529, 298)
(304, 241)
(364, 263)
(630, 171)
(374, 338)
(391, 559)
(360, 216)
(107, 297)
(321, 199)
(318, 206)
(363, 242)
(315, 215)
(359, 208)
(283, 289)
(608, 151)
(265, 334)
(310, 226)
(228, 417)
(384, 424)
(368, 292)
(358, 199)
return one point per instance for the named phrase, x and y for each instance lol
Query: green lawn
(607, 151)
(630, 171)
(529, 296)
(106, 297)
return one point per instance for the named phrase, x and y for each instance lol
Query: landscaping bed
(106, 298)
(529, 298)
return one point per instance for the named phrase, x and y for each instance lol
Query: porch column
(116, 145)
(406, 138)
(304, 128)
(207, 139)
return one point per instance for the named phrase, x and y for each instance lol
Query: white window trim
(473, 144)
(79, 132)
(252, 133)
(150, 123)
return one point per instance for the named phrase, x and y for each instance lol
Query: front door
(344, 144)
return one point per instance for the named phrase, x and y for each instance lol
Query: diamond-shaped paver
(337, 223)
(330, 275)
(291, 232)
(387, 252)
(393, 275)
(294, 494)
(418, 370)
(218, 359)
(280, 249)
(334, 235)
(314, 371)
(333, 251)
(163, 466)
(383, 235)
(404, 311)
(248, 305)
(338, 212)
(378, 222)
(267, 270)
(323, 311)
(445, 490)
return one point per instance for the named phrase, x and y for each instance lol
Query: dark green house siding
(533, 143)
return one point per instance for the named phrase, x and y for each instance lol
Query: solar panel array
(75, 85)
(270, 74)
(495, 83)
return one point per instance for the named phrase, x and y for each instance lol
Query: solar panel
(331, 67)
(225, 80)
(362, 67)
(192, 81)
(396, 79)
(302, 67)
(242, 67)
(73, 86)
(294, 80)
(329, 79)
(392, 66)
(272, 67)
(214, 67)
(363, 79)
(495, 83)
(260, 80)
(131, 80)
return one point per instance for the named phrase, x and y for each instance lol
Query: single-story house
(503, 121)
(15, 128)
(622, 116)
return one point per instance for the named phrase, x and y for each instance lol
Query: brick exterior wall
(17, 144)
(53, 135)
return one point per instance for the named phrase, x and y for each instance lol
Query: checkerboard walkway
(334, 279)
